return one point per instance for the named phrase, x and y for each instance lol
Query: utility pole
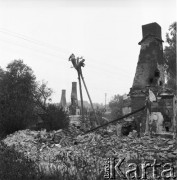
(89, 97)
(78, 63)
(80, 88)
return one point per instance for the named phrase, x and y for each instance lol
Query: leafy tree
(23, 101)
(53, 117)
(116, 105)
(43, 93)
(17, 85)
(170, 55)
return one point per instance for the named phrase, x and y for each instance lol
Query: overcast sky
(106, 33)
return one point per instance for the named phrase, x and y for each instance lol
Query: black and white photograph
(88, 90)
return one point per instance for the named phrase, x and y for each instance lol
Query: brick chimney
(63, 98)
(74, 100)
(153, 29)
(149, 71)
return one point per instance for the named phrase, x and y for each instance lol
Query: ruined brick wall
(138, 102)
(166, 105)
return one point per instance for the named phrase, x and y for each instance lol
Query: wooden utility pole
(78, 63)
(80, 88)
(89, 97)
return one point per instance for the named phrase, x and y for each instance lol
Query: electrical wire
(107, 73)
(44, 44)
(34, 41)
(34, 50)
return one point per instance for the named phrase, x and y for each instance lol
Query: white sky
(106, 33)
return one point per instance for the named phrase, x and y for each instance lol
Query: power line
(34, 41)
(44, 44)
(38, 51)
(107, 73)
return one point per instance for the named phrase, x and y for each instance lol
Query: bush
(55, 118)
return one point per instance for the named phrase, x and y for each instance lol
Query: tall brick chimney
(149, 67)
(74, 100)
(63, 98)
(149, 71)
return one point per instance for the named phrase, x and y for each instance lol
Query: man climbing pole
(77, 64)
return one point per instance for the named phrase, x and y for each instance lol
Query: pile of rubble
(64, 147)
(41, 144)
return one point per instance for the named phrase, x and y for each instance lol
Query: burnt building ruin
(150, 76)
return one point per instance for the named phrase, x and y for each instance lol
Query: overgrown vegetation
(116, 105)
(170, 55)
(55, 118)
(17, 86)
(23, 101)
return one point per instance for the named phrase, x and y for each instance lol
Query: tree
(43, 93)
(53, 117)
(116, 105)
(17, 86)
(23, 101)
(170, 55)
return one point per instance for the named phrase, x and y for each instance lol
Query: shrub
(55, 118)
